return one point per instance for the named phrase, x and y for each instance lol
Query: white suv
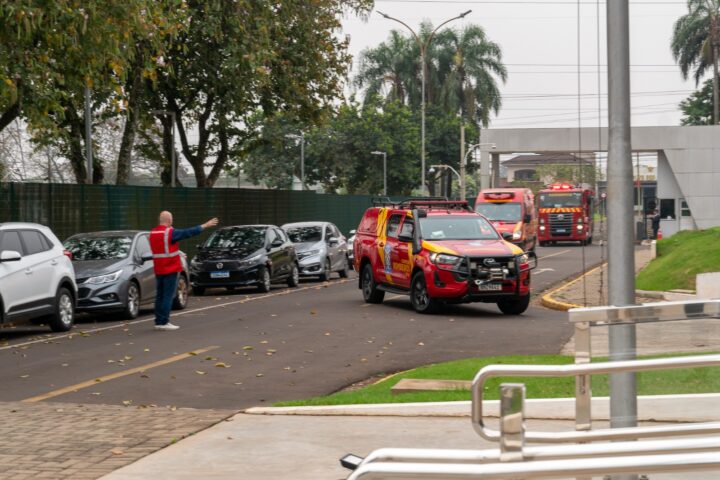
(36, 277)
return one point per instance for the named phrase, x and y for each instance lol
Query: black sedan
(114, 272)
(248, 255)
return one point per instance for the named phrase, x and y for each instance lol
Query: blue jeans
(164, 296)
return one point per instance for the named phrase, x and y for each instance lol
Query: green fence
(70, 209)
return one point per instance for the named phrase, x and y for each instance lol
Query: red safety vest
(166, 255)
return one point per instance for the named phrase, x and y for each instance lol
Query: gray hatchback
(114, 272)
(321, 249)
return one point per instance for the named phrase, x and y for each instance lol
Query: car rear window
(99, 248)
(304, 234)
(237, 237)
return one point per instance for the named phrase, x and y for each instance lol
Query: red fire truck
(565, 214)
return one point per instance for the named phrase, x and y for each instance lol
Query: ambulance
(511, 210)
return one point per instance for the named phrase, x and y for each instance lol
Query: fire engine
(565, 214)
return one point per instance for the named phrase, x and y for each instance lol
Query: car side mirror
(405, 238)
(527, 218)
(333, 241)
(10, 256)
(507, 236)
(146, 258)
(276, 243)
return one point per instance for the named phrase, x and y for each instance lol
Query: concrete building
(688, 171)
(529, 167)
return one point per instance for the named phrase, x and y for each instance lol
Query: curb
(548, 301)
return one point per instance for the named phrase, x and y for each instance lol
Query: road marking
(113, 376)
(553, 255)
(543, 270)
(184, 312)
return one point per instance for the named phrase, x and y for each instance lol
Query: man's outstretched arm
(183, 233)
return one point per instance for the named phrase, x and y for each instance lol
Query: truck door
(387, 246)
(401, 256)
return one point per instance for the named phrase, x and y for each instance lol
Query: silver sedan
(321, 249)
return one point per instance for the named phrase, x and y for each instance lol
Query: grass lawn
(696, 380)
(680, 258)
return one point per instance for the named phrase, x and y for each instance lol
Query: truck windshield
(560, 199)
(500, 212)
(456, 227)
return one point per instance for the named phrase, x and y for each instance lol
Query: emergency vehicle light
(561, 186)
(499, 195)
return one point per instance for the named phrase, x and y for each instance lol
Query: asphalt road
(252, 348)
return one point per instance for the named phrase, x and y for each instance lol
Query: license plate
(560, 230)
(219, 274)
(488, 287)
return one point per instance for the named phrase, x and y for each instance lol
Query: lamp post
(173, 162)
(463, 165)
(300, 137)
(448, 167)
(423, 52)
(384, 155)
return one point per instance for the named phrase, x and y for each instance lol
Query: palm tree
(696, 43)
(473, 65)
(388, 69)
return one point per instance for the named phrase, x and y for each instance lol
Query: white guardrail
(514, 460)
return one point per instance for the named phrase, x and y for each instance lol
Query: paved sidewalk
(307, 444)
(87, 441)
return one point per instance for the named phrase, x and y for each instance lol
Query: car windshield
(456, 227)
(99, 248)
(500, 212)
(305, 234)
(237, 237)
(560, 199)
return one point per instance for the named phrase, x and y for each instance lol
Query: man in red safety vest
(167, 264)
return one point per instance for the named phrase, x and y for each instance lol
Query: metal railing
(513, 459)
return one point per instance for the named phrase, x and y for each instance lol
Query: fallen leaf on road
(128, 357)
(146, 350)
(229, 438)
(144, 376)
(271, 350)
(192, 353)
(421, 344)
(222, 365)
(247, 347)
(313, 312)
(363, 360)
(116, 451)
(111, 361)
(287, 368)
(210, 358)
(127, 403)
(24, 376)
(238, 383)
(259, 375)
(199, 372)
(95, 393)
(264, 341)
(64, 364)
(327, 334)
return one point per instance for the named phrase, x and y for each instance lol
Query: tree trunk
(9, 115)
(75, 151)
(124, 162)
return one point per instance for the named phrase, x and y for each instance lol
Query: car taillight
(68, 254)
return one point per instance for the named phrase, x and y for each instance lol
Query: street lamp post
(300, 137)
(384, 155)
(423, 51)
(447, 167)
(173, 162)
(463, 165)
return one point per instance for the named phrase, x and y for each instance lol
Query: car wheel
(132, 307)
(327, 271)
(344, 271)
(516, 306)
(264, 283)
(419, 296)
(371, 294)
(198, 291)
(181, 296)
(63, 317)
(294, 278)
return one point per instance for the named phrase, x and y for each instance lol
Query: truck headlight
(542, 228)
(580, 228)
(445, 261)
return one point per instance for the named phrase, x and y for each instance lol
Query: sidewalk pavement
(306, 443)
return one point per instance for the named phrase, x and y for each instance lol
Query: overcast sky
(539, 40)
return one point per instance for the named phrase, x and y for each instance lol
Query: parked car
(351, 251)
(244, 255)
(114, 272)
(440, 252)
(321, 249)
(36, 277)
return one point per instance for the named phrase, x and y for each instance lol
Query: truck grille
(494, 268)
(561, 224)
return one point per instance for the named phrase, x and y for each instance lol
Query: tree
(696, 44)
(463, 68)
(698, 107)
(236, 58)
(574, 174)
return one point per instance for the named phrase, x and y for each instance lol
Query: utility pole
(621, 255)
(88, 137)
(462, 161)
